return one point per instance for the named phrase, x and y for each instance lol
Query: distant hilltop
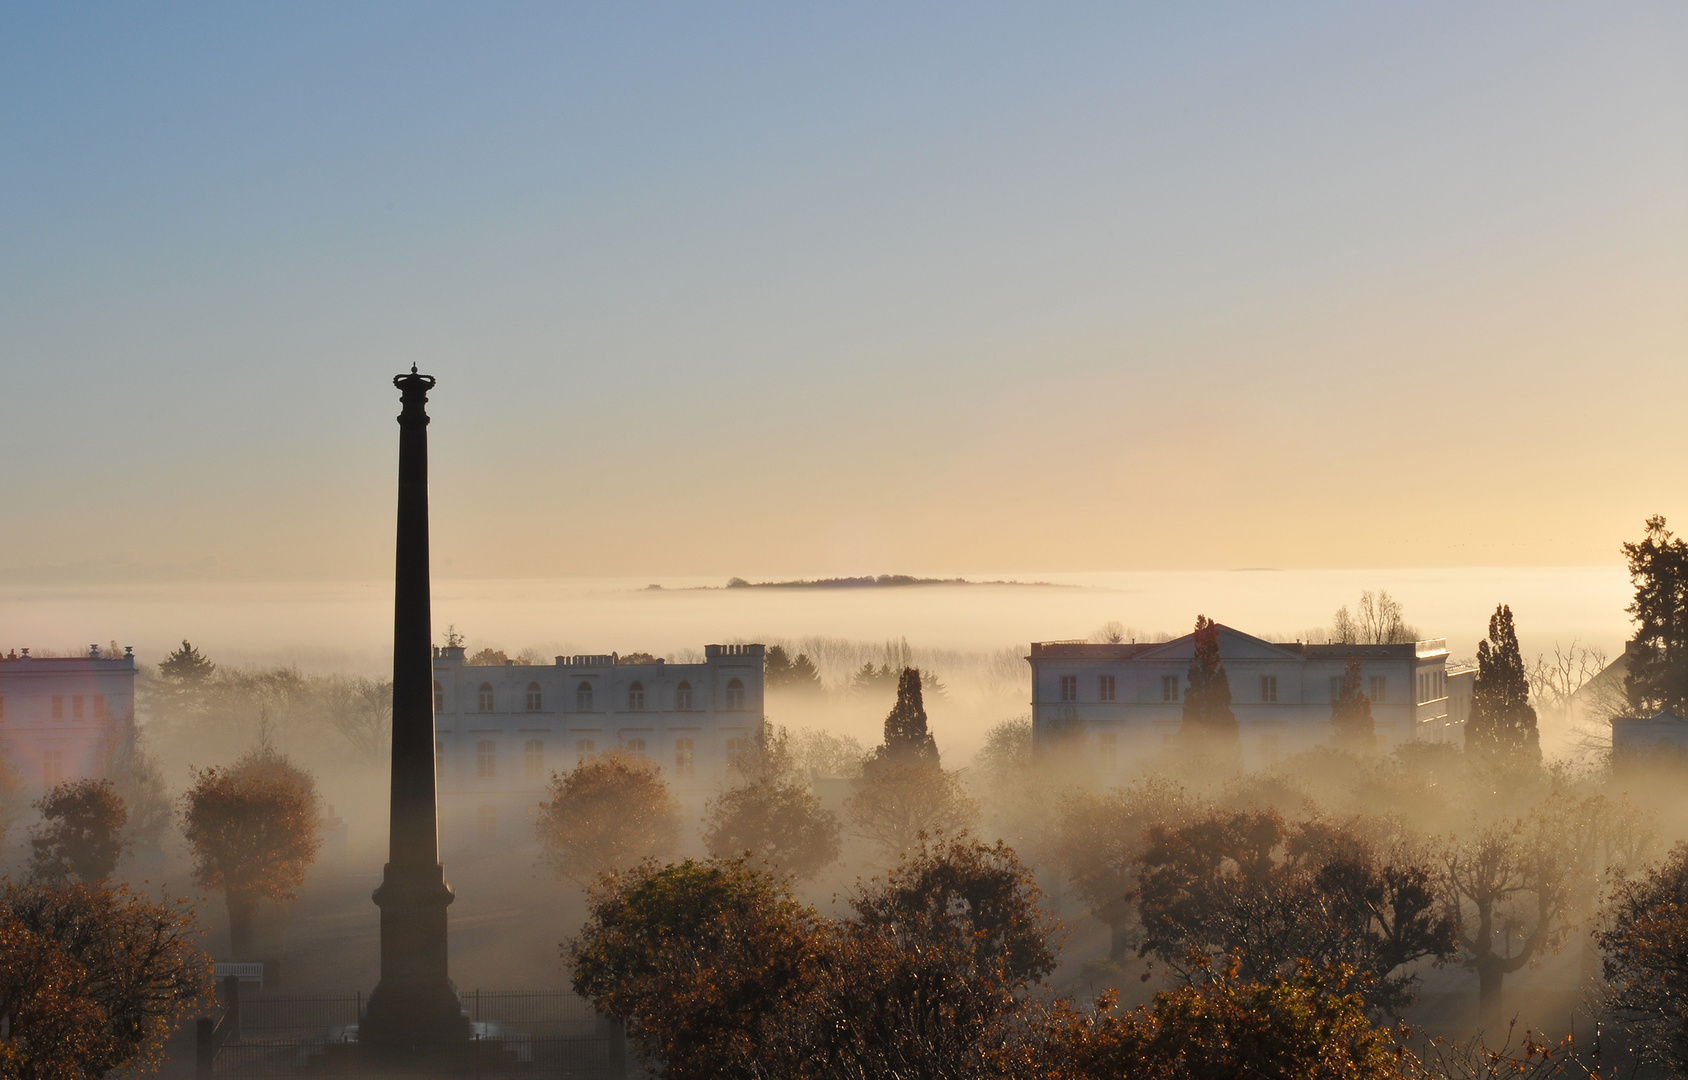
(883, 581)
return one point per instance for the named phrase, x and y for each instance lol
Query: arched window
(486, 823)
(535, 697)
(737, 748)
(486, 759)
(439, 698)
(583, 696)
(735, 694)
(636, 747)
(684, 758)
(635, 696)
(582, 751)
(533, 760)
(683, 696)
(483, 700)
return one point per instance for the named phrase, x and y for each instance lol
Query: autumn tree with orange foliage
(93, 979)
(81, 833)
(1310, 1024)
(606, 814)
(253, 831)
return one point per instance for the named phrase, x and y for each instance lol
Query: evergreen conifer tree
(907, 741)
(1502, 726)
(1658, 664)
(776, 667)
(1351, 715)
(1207, 700)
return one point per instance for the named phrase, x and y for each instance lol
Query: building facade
(502, 731)
(62, 716)
(1124, 701)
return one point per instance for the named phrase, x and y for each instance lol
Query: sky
(807, 290)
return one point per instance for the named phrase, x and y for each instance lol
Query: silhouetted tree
(93, 979)
(907, 740)
(1098, 840)
(140, 784)
(253, 830)
(1658, 660)
(977, 897)
(487, 657)
(1208, 720)
(1248, 884)
(694, 958)
(903, 790)
(1646, 964)
(604, 815)
(81, 832)
(776, 666)
(184, 677)
(1502, 724)
(1351, 715)
(778, 823)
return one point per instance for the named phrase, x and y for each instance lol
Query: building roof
(1235, 645)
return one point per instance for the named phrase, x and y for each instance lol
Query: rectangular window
(737, 750)
(582, 750)
(533, 761)
(1169, 688)
(1105, 688)
(685, 757)
(76, 707)
(58, 706)
(99, 707)
(1269, 747)
(1335, 687)
(486, 759)
(1268, 688)
(1375, 686)
(1069, 688)
(1107, 750)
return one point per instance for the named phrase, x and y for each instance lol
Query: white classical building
(62, 716)
(502, 731)
(1126, 700)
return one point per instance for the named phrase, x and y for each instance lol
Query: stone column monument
(414, 1008)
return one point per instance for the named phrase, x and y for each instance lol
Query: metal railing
(525, 1033)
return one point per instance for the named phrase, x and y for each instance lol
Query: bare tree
(1555, 680)
(362, 711)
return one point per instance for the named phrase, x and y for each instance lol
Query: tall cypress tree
(907, 741)
(1502, 725)
(1207, 701)
(1658, 664)
(1351, 715)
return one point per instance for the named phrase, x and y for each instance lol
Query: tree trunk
(1118, 942)
(243, 918)
(1489, 979)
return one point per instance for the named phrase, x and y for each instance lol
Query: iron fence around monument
(518, 1034)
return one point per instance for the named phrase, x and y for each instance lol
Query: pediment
(1233, 645)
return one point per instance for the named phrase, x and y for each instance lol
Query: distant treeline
(883, 581)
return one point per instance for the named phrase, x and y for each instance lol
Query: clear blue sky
(724, 289)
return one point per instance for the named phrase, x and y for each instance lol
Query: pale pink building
(62, 716)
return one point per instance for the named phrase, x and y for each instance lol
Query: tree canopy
(253, 831)
(1658, 661)
(93, 979)
(1502, 724)
(1351, 715)
(80, 837)
(1208, 719)
(606, 814)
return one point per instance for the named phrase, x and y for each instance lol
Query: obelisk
(414, 1007)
